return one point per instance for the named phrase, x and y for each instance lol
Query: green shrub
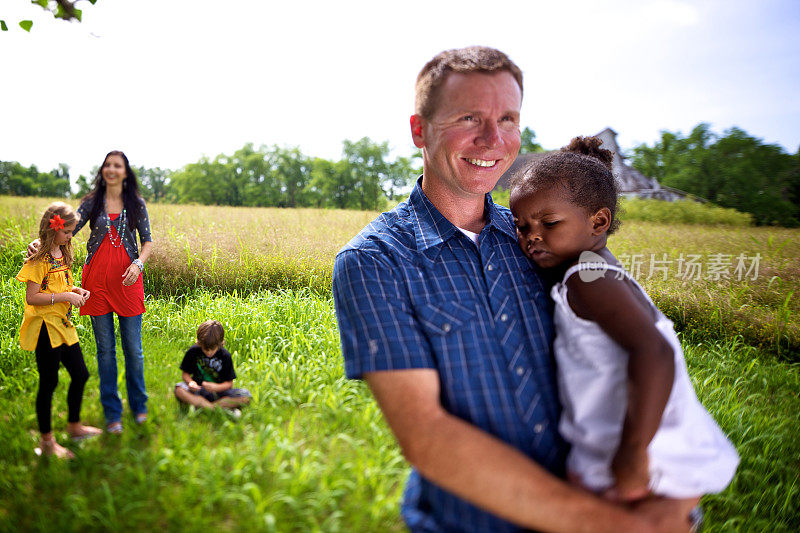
(681, 212)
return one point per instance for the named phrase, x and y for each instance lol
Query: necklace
(121, 221)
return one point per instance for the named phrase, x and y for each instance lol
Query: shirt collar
(432, 228)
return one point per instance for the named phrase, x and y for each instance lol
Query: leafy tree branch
(61, 9)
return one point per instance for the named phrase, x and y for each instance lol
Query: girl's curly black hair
(583, 171)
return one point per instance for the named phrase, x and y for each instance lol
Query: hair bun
(590, 146)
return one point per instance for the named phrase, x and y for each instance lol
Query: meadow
(312, 453)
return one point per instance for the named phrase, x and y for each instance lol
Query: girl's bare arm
(34, 296)
(621, 311)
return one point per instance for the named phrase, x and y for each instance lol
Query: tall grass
(251, 249)
(763, 307)
(312, 452)
(755, 399)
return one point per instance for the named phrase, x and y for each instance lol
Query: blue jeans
(130, 329)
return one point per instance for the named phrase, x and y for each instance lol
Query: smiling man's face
(473, 135)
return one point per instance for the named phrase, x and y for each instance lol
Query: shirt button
(490, 268)
(503, 317)
(538, 428)
(520, 370)
(446, 328)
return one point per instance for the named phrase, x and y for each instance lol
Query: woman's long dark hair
(131, 199)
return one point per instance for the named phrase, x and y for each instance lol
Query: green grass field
(312, 452)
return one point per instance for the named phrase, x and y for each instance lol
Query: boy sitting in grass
(208, 372)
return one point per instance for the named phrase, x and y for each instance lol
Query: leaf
(3, 26)
(42, 3)
(78, 14)
(92, 2)
(26, 25)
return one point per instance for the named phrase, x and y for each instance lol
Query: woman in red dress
(113, 274)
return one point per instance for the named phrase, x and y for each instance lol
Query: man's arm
(494, 476)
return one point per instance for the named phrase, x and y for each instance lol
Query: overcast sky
(169, 81)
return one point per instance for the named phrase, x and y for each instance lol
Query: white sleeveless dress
(689, 455)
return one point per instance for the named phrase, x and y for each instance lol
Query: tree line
(364, 178)
(731, 170)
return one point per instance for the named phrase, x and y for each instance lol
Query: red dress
(103, 278)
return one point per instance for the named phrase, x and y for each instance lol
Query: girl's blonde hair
(47, 235)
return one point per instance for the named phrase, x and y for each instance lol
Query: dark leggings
(47, 360)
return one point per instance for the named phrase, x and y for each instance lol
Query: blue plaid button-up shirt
(412, 291)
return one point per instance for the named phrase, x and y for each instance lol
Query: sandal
(114, 427)
(141, 418)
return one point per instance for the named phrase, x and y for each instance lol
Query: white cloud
(677, 12)
(171, 81)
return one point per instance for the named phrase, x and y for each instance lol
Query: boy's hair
(47, 234)
(210, 334)
(462, 60)
(582, 170)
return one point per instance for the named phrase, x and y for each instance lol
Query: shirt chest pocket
(452, 328)
(441, 319)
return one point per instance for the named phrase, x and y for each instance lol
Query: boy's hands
(631, 471)
(194, 386)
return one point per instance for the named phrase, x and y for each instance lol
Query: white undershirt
(472, 236)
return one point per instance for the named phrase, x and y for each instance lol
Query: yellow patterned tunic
(54, 276)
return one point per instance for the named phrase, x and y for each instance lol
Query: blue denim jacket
(99, 230)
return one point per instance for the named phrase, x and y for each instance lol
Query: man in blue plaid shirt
(450, 326)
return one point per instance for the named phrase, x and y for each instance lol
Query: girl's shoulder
(601, 289)
(33, 269)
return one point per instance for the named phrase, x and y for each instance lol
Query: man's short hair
(210, 334)
(463, 60)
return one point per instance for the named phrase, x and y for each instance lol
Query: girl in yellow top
(47, 328)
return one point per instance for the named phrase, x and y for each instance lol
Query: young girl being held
(46, 326)
(629, 409)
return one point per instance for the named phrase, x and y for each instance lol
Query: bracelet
(138, 263)
(52, 298)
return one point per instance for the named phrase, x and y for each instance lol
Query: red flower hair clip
(57, 222)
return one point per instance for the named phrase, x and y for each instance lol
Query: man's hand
(481, 469)
(666, 516)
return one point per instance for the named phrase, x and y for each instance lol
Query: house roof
(629, 179)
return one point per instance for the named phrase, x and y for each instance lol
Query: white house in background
(631, 181)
